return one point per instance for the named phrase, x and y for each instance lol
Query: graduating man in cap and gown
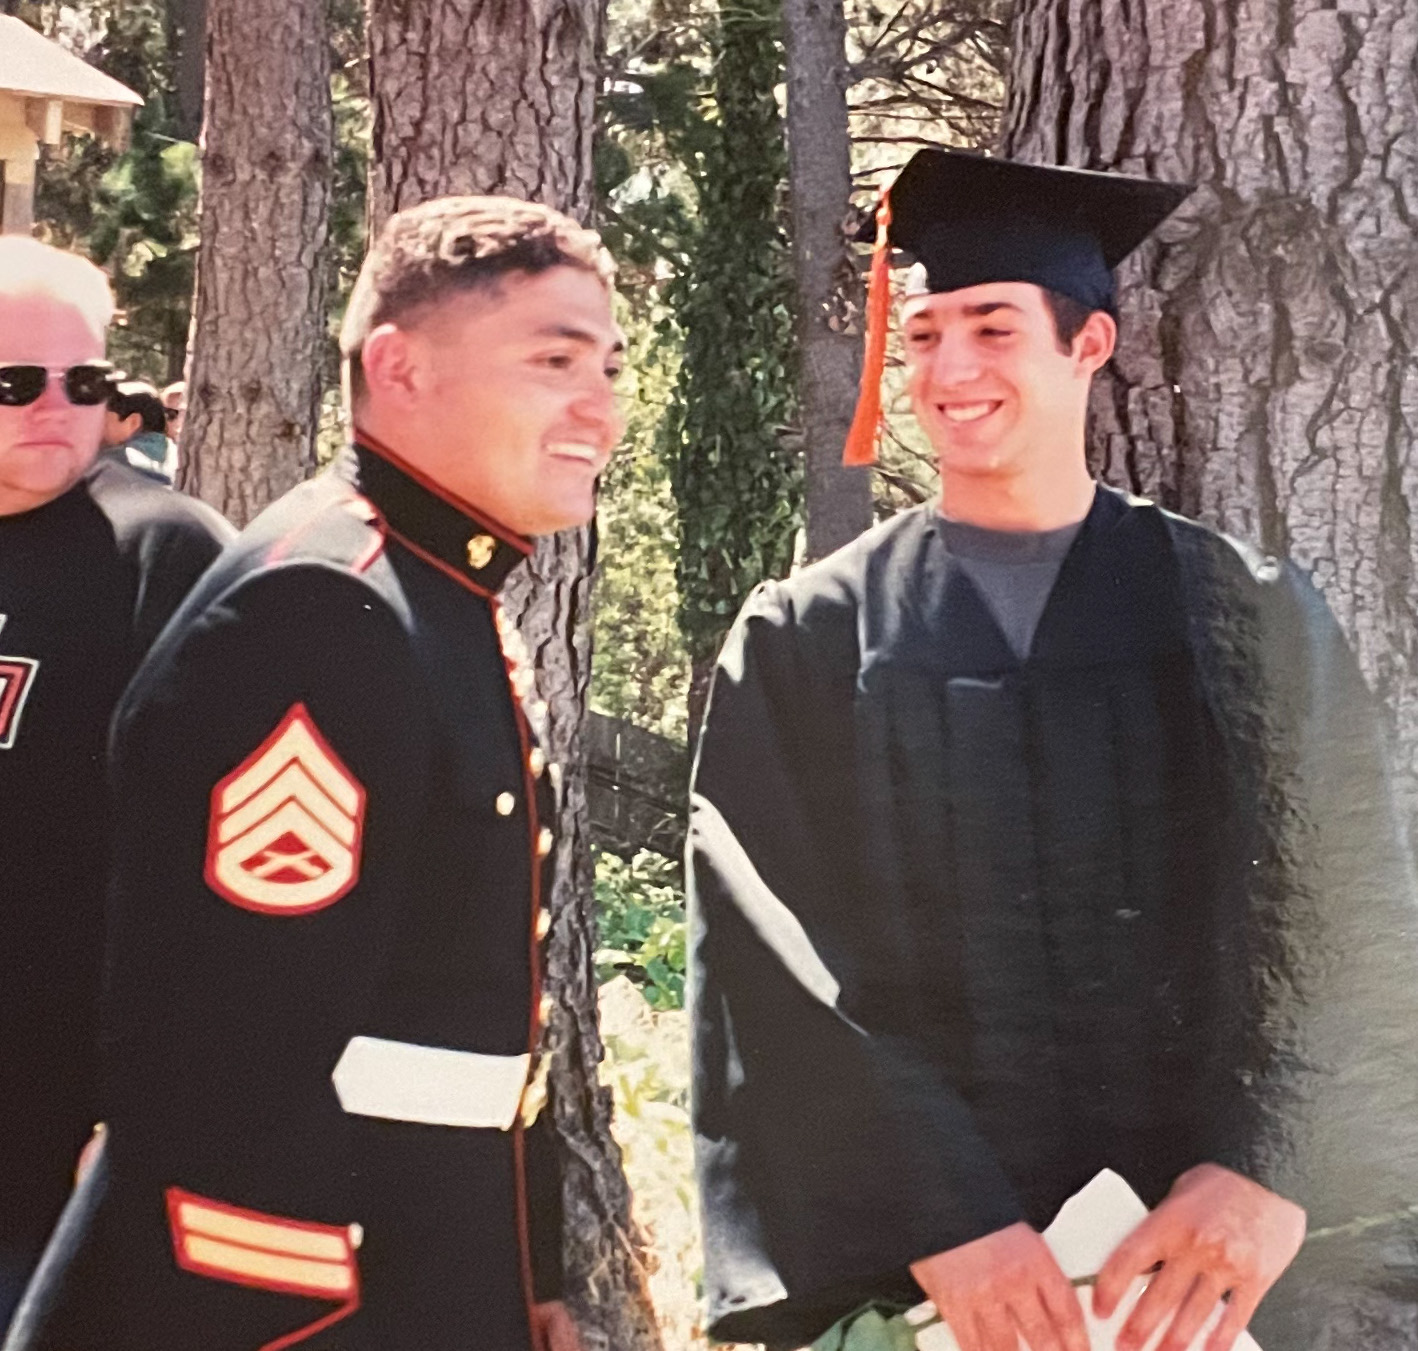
(1036, 832)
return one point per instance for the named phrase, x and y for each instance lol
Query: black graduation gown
(87, 582)
(323, 967)
(966, 929)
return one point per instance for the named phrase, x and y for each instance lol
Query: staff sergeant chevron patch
(287, 824)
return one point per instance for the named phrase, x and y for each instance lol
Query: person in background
(135, 431)
(94, 559)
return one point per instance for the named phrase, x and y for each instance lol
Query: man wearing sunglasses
(93, 561)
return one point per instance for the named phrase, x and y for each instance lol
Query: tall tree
(838, 500)
(478, 97)
(258, 319)
(1266, 379)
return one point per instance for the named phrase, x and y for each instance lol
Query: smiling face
(45, 446)
(992, 387)
(505, 395)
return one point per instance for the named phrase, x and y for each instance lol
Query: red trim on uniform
(529, 788)
(366, 560)
(182, 1231)
(435, 561)
(494, 526)
(296, 713)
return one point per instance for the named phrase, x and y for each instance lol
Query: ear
(1094, 343)
(393, 373)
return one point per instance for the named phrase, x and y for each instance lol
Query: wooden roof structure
(45, 91)
(32, 65)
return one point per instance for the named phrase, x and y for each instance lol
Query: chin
(564, 516)
(984, 461)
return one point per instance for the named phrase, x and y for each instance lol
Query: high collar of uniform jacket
(434, 522)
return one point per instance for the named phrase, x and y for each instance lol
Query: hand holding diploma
(1216, 1235)
(1001, 1287)
(1186, 1277)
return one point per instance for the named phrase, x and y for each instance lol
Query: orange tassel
(866, 425)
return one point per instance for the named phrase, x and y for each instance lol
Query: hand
(1000, 1287)
(1216, 1235)
(553, 1328)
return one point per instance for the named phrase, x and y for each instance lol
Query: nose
(954, 362)
(597, 406)
(53, 398)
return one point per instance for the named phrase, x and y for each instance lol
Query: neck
(1026, 502)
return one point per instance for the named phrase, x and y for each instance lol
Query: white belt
(430, 1085)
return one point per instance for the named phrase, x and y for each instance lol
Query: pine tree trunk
(838, 499)
(1266, 380)
(498, 96)
(258, 321)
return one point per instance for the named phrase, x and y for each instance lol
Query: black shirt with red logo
(322, 980)
(87, 582)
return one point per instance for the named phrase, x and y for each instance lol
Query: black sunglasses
(86, 385)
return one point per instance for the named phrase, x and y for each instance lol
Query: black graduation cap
(967, 219)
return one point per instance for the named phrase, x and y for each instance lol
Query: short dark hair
(456, 245)
(1069, 316)
(137, 396)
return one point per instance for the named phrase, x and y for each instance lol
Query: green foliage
(641, 667)
(646, 1067)
(640, 909)
(654, 106)
(736, 477)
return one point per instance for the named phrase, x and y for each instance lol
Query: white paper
(1083, 1235)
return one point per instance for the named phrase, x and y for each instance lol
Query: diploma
(1082, 1238)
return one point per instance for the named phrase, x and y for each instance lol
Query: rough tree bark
(498, 96)
(838, 500)
(258, 318)
(1266, 380)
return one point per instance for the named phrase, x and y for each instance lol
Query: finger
(1036, 1324)
(1191, 1317)
(1060, 1300)
(1134, 1255)
(997, 1332)
(1234, 1321)
(967, 1335)
(1164, 1295)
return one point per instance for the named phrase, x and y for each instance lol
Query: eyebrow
(973, 311)
(570, 333)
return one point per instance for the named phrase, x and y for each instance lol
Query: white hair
(28, 268)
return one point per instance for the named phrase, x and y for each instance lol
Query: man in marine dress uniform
(323, 985)
(93, 561)
(1037, 832)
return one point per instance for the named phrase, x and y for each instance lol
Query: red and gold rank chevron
(287, 824)
(266, 1252)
